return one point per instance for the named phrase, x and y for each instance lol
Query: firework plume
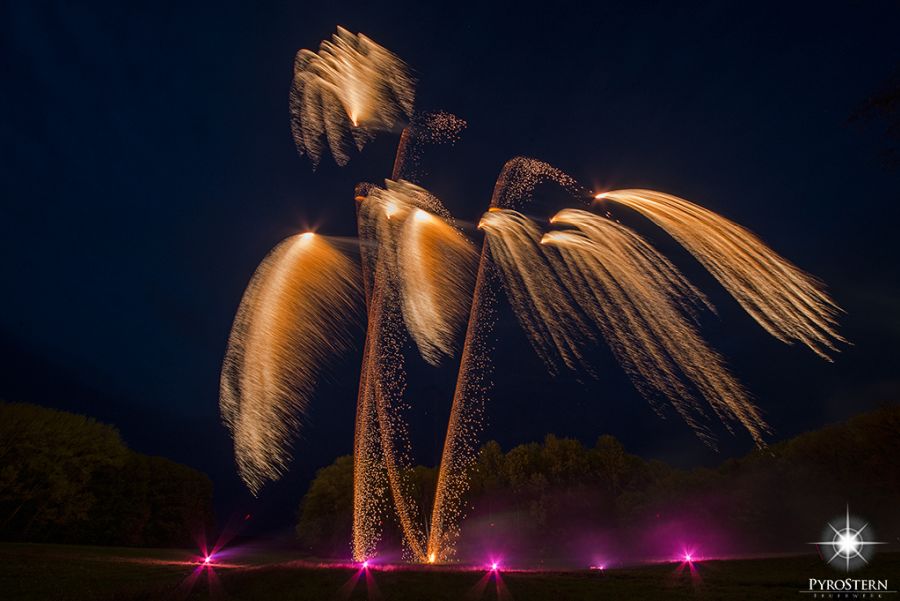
(351, 86)
(644, 307)
(788, 303)
(296, 314)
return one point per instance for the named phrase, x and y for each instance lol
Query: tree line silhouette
(558, 501)
(68, 478)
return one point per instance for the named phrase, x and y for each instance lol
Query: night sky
(148, 167)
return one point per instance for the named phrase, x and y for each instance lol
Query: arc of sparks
(789, 304)
(350, 86)
(515, 186)
(635, 296)
(371, 484)
(416, 271)
(296, 314)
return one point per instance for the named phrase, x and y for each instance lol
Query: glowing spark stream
(369, 472)
(295, 315)
(425, 129)
(632, 293)
(377, 468)
(431, 261)
(531, 276)
(515, 186)
(411, 240)
(350, 78)
(437, 264)
(370, 477)
(790, 304)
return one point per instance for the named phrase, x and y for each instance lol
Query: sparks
(645, 309)
(349, 78)
(292, 320)
(789, 304)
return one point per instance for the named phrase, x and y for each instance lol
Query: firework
(437, 263)
(514, 187)
(351, 86)
(567, 288)
(296, 314)
(788, 303)
(373, 477)
(644, 307)
(532, 277)
(425, 129)
(381, 449)
(420, 274)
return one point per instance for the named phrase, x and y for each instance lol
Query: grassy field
(51, 572)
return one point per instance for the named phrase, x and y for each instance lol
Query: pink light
(494, 566)
(365, 565)
(688, 558)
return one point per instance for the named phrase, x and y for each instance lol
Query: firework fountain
(587, 279)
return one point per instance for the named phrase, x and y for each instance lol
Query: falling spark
(419, 266)
(514, 187)
(532, 276)
(369, 471)
(350, 78)
(437, 264)
(788, 303)
(296, 314)
(429, 259)
(371, 481)
(635, 296)
(417, 277)
(425, 129)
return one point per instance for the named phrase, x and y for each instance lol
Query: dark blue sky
(148, 167)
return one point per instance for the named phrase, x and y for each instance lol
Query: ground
(78, 573)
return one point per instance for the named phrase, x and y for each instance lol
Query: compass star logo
(845, 545)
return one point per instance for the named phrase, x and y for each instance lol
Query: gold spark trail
(637, 299)
(407, 228)
(514, 186)
(788, 303)
(296, 314)
(532, 277)
(350, 87)
(566, 287)
(369, 472)
(437, 264)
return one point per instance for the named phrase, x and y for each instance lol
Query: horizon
(129, 265)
